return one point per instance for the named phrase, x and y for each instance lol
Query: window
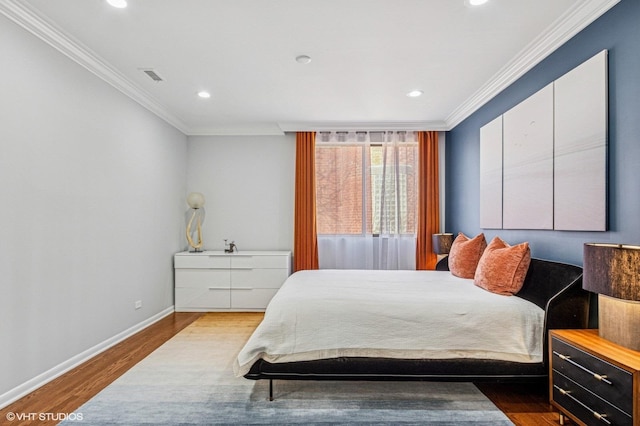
(366, 185)
(339, 189)
(394, 189)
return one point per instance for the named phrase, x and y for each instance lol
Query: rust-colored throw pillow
(502, 268)
(465, 254)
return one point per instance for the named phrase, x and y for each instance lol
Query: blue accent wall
(618, 31)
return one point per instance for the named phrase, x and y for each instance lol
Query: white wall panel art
(528, 163)
(543, 163)
(580, 175)
(491, 174)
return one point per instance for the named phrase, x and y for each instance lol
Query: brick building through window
(366, 188)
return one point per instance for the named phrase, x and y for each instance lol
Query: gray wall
(619, 32)
(248, 183)
(92, 188)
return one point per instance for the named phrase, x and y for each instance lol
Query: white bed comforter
(392, 314)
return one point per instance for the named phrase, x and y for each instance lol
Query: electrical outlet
(138, 304)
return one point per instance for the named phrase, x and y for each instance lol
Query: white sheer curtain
(366, 195)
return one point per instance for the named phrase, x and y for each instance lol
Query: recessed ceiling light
(476, 2)
(303, 59)
(120, 4)
(415, 93)
(204, 95)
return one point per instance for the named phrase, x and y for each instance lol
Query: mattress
(325, 314)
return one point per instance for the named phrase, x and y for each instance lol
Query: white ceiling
(366, 55)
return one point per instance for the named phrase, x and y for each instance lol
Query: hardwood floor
(69, 391)
(525, 405)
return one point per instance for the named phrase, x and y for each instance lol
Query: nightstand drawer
(585, 405)
(615, 385)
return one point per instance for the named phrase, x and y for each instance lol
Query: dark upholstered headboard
(544, 280)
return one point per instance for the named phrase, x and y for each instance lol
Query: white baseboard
(44, 378)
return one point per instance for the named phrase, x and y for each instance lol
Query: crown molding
(362, 125)
(239, 130)
(564, 28)
(31, 21)
(280, 129)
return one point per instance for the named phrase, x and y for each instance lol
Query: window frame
(366, 166)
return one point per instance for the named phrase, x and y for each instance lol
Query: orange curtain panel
(428, 200)
(305, 240)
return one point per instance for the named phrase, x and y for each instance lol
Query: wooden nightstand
(593, 381)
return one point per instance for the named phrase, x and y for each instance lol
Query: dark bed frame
(555, 287)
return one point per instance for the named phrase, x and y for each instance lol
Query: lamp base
(619, 321)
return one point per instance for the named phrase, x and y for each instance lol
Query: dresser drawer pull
(600, 377)
(601, 417)
(218, 288)
(241, 288)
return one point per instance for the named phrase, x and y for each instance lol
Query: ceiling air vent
(152, 75)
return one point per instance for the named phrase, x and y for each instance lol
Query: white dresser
(219, 281)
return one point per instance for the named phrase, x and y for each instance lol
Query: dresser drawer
(203, 278)
(615, 385)
(240, 261)
(585, 405)
(202, 261)
(256, 298)
(258, 278)
(199, 299)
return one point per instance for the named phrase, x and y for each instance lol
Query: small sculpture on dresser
(231, 247)
(196, 213)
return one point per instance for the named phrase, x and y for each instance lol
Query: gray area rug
(189, 381)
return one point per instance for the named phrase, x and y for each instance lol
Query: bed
(322, 325)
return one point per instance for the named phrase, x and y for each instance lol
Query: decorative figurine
(196, 202)
(231, 247)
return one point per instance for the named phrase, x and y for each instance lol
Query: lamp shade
(442, 243)
(612, 270)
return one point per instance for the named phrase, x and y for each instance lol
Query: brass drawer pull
(600, 377)
(599, 416)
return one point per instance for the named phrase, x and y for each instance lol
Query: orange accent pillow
(465, 254)
(503, 268)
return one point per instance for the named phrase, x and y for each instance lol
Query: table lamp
(441, 243)
(613, 272)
